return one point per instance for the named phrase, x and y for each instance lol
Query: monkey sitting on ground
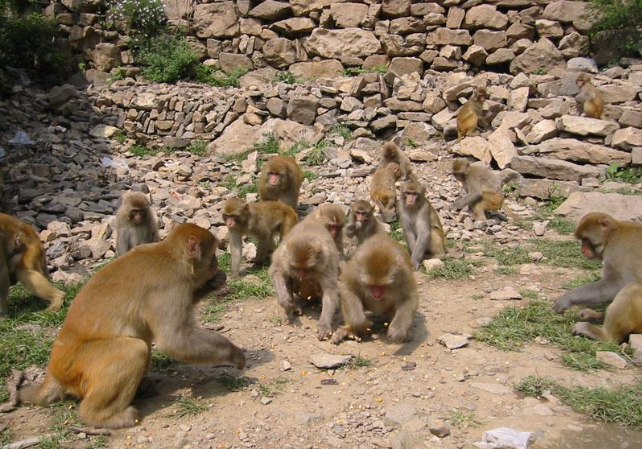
(589, 97)
(472, 113)
(280, 180)
(378, 278)
(332, 217)
(483, 188)
(307, 260)
(619, 245)
(362, 222)
(383, 191)
(390, 152)
(262, 221)
(22, 259)
(135, 223)
(148, 295)
(421, 224)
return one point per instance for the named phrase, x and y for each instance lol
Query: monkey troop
(148, 294)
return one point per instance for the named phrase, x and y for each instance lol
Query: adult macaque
(472, 113)
(421, 224)
(383, 191)
(135, 223)
(589, 97)
(22, 259)
(332, 216)
(307, 260)
(623, 317)
(619, 245)
(362, 222)
(263, 221)
(378, 278)
(148, 295)
(483, 188)
(280, 180)
(390, 152)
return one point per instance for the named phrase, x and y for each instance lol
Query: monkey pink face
(137, 216)
(588, 250)
(230, 220)
(580, 82)
(411, 198)
(274, 178)
(377, 291)
(334, 229)
(361, 216)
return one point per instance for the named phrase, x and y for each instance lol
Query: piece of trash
(109, 162)
(504, 438)
(21, 138)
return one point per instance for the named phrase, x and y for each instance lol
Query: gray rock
(452, 341)
(505, 294)
(611, 359)
(329, 361)
(401, 413)
(621, 207)
(553, 168)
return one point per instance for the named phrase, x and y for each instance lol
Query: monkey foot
(583, 328)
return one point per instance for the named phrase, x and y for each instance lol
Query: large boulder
(577, 13)
(554, 168)
(216, 20)
(541, 56)
(330, 68)
(348, 15)
(270, 10)
(106, 56)
(396, 8)
(577, 151)
(584, 126)
(342, 44)
(279, 52)
(621, 207)
(485, 16)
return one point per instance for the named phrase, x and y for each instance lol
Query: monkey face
(589, 250)
(274, 178)
(230, 220)
(361, 216)
(137, 216)
(411, 198)
(334, 229)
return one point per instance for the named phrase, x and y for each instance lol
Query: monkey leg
(5, 282)
(591, 316)
(421, 246)
(479, 211)
(38, 284)
(466, 200)
(236, 250)
(590, 330)
(112, 371)
(437, 246)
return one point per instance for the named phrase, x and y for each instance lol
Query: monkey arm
(352, 310)
(284, 294)
(329, 302)
(236, 249)
(399, 328)
(122, 243)
(423, 241)
(211, 286)
(466, 200)
(351, 229)
(591, 294)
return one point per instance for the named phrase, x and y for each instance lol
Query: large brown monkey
(390, 152)
(280, 180)
(623, 317)
(147, 295)
(420, 223)
(383, 191)
(483, 188)
(307, 260)
(22, 259)
(332, 217)
(619, 245)
(589, 97)
(135, 223)
(378, 278)
(262, 221)
(472, 113)
(362, 222)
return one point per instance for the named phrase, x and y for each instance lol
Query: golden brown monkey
(307, 261)
(421, 224)
(362, 222)
(619, 245)
(378, 278)
(589, 97)
(332, 217)
(390, 152)
(263, 221)
(135, 223)
(623, 317)
(22, 259)
(483, 188)
(383, 191)
(280, 180)
(148, 295)
(472, 113)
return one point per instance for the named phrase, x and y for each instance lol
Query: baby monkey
(135, 223)
(362, 222)
(471, 114)
(589, 97)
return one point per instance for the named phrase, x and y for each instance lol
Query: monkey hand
(217, 281)
(324, 332)
(357, 225)
(238, 358)
(397, 335)
(561, 304)
(581, 328)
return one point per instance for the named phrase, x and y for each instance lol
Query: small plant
(506, 271)
(396, 232)
(272, 388)
(411, 143)
(630, 175)
(358, 70)
(534, 386)
(186, 406)
(619, 21)
(507, 256)
(529, 294)
(198, 147)
(540, 71)
(562, 226)
(359, 362)
(120, 136)
(310, 175)
(286, 77)
(140, 16)
(318, 155)
(141, 150)
(166, 58)
(463, 419)
(213, 312)
(453, 269)
(161, 361)
(564, 254)
(117, 74)
(341, 130)
(204, 74)
(233, 383)
(510, 187)
(244, 289)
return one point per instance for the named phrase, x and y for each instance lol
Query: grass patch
(396, 232)
(631, 175)
(234, 383)
(506, 271)
(120, 136)
(230, 184)
(453, 269)
(564, 254)
(574, 283)
(529, 294)
(515, 326)
(284, 76)
(310, 175)
(358, 70)
(160, 361)
(479, 296)
(186, 406)
(213, 312)
(273, 387)
(534, 386)
(269, 145)
(463, 419)
(205, 74)
(359, 362)
(507, 256)
(341, 130)
(141, 150)
(198, 147)
(562, 226)
(242, 289)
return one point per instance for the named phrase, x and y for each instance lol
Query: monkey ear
(193, 247)
(605, 222)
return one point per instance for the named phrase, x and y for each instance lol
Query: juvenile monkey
(307, 260)
(390, 152)
(483, 188)
(589, 97)
(619, 245)
(332, 217)
(383, 191)
(135, 223)
(472, 113)
(421, 224)
(22, 259)
(280, 180)
(362, 222)
(378, 278)
(263, 221)
(148, 295)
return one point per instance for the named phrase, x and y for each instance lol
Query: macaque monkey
(280, 180)
(307, 260)
(22, 259)
(589, 97)
(623, 317)
(472, 113)
(390, 152)
(332, 217)
(421, 224)
(135, 223)
(148, 295)
(483, 188)
(378, 278)
(619, 245)
(383, 191)
(362, 222)
(262, 221)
